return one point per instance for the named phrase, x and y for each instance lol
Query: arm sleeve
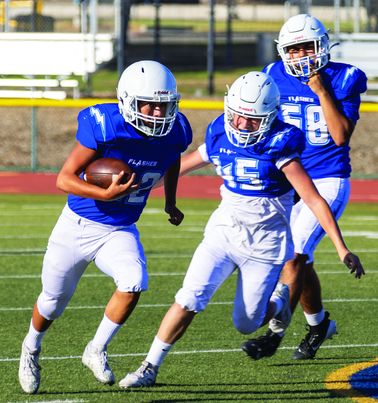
(187, 133)
(353, 84)
(293, 147)
(85, 135)
(203, 152)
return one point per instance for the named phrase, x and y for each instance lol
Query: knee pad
(51, 307)
(194, 301)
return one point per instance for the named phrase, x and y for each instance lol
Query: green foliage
(203, 25)
(207, 364)
(237, 25)
(190, 83)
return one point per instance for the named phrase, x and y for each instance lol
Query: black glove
(352, 262)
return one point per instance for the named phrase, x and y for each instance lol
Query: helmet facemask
(299, 30)
(305, 66)
(150, 125)
(245, 138)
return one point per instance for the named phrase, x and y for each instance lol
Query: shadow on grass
(194, 392)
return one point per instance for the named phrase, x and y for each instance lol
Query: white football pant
(306, 230)
(214, 261)
(73, 244)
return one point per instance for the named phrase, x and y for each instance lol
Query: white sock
(105, 332)
(278, 303)
(158, 352)
(314, 319)
(33, 339)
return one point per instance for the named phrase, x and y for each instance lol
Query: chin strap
(334, 44)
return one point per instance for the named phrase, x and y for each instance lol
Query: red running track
(195, 187)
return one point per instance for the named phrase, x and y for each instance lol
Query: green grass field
(207, 365)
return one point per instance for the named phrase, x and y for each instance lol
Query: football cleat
(282, 320)
(315, 338)
(29, 371)
(97, 361)
(263, 346)
(145, 375)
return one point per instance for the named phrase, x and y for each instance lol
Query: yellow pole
(2, 15)
(39, 6)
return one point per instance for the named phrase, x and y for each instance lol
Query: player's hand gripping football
(118, 190)
(175, 215)
(352, 262)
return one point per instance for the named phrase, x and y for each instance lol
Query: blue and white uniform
(326, 163)
(250, 230)
(102, 128)
(105, 232)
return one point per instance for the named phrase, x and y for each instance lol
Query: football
(103, 171)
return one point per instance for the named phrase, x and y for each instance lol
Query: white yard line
(52, 401)
(89, 307)
(28, 252)
(175, 352)
(36, 251)
(168, 274)
(162, 274)
(144, 236)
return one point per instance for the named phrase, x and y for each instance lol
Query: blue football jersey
(321, 157)
(255, 170)
(102, 128)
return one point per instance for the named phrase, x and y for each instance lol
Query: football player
(322, 98)
(258, 157)
(146, 131)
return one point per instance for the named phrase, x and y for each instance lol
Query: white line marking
(37, 251)
(170, 235)
(83, 307)
(231, 350)
(28, 252)
(360, 218)
(144, 236)
(159, 274)
(52, 401)
(38, 276)
(367, 234)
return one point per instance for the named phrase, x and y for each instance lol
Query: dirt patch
(56, 128)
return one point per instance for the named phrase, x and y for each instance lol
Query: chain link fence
(83, 15)
(56, 129)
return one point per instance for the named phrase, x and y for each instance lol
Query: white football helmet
(253, 95)
(299, 29)
(148, 81)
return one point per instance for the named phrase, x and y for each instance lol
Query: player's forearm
(190, 162)
(326, 219)
(74, 185)
(339, 127)
(170, 183)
